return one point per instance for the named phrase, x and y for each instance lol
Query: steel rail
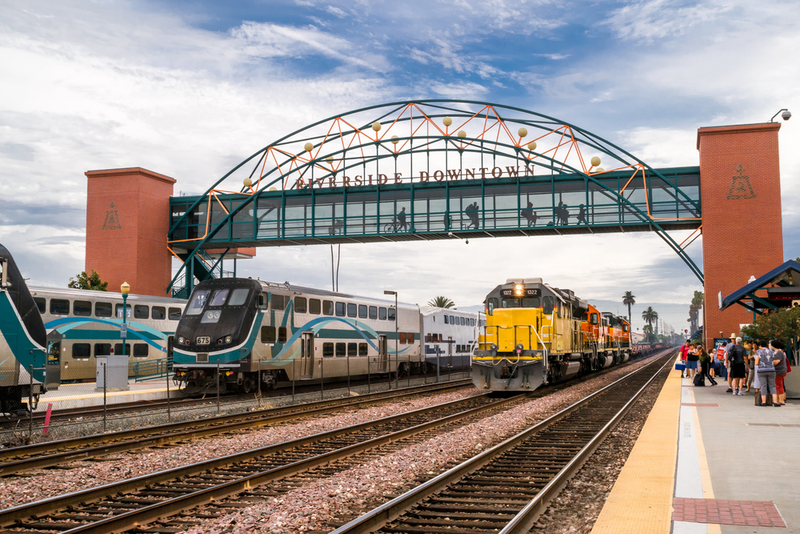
(125, 440)
(380, 516)
(166, 508)
(11, 515)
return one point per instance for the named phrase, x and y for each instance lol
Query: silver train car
(83, 325)
(241, 331)
(23, 361)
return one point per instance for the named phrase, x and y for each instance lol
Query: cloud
(658, 19)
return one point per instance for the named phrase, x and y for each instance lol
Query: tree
(629, 299)
(694, 311)
(441, 302)
(90, 281)
(782, 324)
(650, 316)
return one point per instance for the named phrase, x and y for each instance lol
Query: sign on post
(123, 330)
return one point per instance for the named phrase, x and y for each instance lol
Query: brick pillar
(740, 188)
(127, 220)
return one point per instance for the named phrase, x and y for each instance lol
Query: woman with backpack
(765, 367)
(705, 363)
(780, 371)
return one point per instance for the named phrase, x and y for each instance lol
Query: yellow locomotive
(537, 334)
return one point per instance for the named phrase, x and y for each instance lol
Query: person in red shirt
(684, 353)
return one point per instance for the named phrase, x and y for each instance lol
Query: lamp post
(125, 288)
(396, 336)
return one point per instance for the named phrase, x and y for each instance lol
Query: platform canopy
(782, 286)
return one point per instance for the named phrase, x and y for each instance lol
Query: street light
(396, 336)
(125, 288)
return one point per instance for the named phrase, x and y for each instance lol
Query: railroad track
(505, 488)
(130, 503)
(47, 454)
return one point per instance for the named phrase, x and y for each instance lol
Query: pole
(169, 408)
(438, 362)
(368, 377)
(322, 378)
(30, 403)
(294, 375)
(348, 372)
(217, 386)
(105, 385)
(396, 353)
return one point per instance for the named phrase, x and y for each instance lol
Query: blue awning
(787, 274)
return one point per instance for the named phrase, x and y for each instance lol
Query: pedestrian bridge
(429, 170)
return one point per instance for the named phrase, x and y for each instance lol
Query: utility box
(112, 373)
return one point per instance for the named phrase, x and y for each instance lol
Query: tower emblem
(112, 219)
(740, 186)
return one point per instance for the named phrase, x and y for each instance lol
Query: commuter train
(536, 334)
(83, 325)
(240, 331)
(22, 341)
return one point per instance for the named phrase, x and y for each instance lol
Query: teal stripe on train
(23, 348)
(66, 325)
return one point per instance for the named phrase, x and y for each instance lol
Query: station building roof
(786, 275)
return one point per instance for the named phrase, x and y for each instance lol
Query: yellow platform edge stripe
(641, 500)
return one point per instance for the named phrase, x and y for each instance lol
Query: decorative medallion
(740, 186)
(112, 219)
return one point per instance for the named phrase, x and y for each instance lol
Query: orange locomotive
(537, 334)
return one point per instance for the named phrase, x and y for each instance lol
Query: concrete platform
(709, 462)
(87, 394)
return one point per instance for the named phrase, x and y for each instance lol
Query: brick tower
(127, 220)
(742, 231)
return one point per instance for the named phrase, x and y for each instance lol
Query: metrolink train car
(248, 330)
(22, 340)
(536, 334)
(83, 325)
(450, 336)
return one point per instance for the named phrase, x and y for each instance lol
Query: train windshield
(198, 302)
(239, 297)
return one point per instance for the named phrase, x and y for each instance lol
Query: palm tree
(630, 299)
(694, 311)
(650, 316)
(441, 302)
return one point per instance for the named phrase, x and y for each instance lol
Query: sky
(191, 88)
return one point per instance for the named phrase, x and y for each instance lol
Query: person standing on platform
(721, 360)
(765, 367)
(705, 363)
(691, 361)
(751, 364)
(728, 348)
(684, 353)
(780, 370)
(736, 357)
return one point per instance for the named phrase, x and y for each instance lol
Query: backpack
(699, 380)
(736, 355)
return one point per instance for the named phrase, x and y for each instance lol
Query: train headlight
(224, 340)
(518, 289)
(182, 340)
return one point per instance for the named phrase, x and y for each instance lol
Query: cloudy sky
(191, 88)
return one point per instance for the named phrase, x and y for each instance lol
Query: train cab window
(593, 318)
(82, 308)
(141, 312)
(174, 314)
(327, 350)
(403, 338)
(277, 302)
(373, 312)
(352, 310)
(102, 309)
(282, 334)
(362, 311)
(118, 349)
(41, 303)
(59, 307)
(625, 328)
(341, 350)
(547, 305)
(301, 304)
(327, 307)
(102, 349)
(81, 351)
(382, 314)
(118, 311)
(198, 302)
(530, 302)
(411, 337)
(391, 314)
(268, 334)
(141, 350)
(445, 320)
(159, 313)
(261, 301)
(218, 298)
(314, 306)
(491, 304)
(340, 309)
(362, 349)
(511, 302)
(352, 349)
(239, 297)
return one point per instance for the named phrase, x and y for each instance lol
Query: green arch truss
(429, 169)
